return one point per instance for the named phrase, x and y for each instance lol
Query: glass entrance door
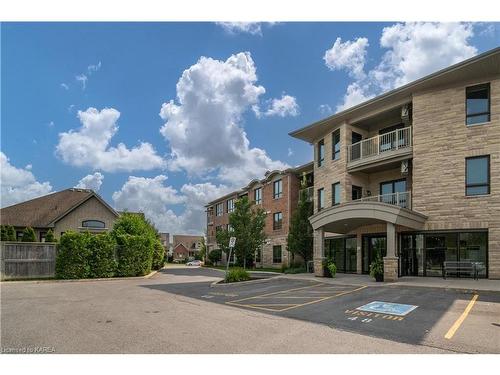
(373, 246)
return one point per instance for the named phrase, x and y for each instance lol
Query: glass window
(477, 180)
(93, 224)
(478, 104)
(473, 247)
(388, 192)
(229, 228)
(42, 236)
(258, 195)
(277, 254)
(438, 249)
(336, 144)
(277, 189)
(321, 199)
(321, 152)
(219, 209)
(277, 220)
(336, 194)
(230, 205)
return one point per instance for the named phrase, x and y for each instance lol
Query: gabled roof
(44, 211)
(182, 248)
(485, 64)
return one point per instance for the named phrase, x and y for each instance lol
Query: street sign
(232, 241)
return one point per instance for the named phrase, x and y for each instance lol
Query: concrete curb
(395, 284)
(216, 283)
(39, 281)
(252, 271)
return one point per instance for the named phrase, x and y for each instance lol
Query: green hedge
(102, 257)
(72, 261)
(158, 255)
(135, 255)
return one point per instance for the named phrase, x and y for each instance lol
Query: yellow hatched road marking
(461, 319)
(274, 293)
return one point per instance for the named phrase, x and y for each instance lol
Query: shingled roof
(42, 212)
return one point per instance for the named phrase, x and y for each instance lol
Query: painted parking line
(460, 320)
(260, 303)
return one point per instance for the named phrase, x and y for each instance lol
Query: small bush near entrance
(332, 268)
(135, 255)
(158, 255)
(102, 255)
(28, 235)
(292, 270)
(237, 274)
(377, 269)
(72, 261)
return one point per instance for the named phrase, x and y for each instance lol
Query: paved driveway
(177, 311)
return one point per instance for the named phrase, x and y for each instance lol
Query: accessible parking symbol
(398, 309)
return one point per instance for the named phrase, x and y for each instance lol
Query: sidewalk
(427, 282)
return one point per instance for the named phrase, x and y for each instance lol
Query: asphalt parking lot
(411, 315)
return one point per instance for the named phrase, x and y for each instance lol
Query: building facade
(71, 209)
(277, 193)
(412, 176)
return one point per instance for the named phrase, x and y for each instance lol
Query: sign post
(232, 241)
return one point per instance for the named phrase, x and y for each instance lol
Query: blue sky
(134, 68)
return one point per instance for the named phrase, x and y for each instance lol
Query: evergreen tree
(28, 235)
(300, 236)
(11, 233)
(49, 237)
(4, 233)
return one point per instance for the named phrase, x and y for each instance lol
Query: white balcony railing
(380, 144)
(309, 193)
(402, 199)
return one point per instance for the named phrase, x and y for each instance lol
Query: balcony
(385, 148)
(401, 199)
(309, 193)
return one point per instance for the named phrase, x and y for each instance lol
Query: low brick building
(277, 193)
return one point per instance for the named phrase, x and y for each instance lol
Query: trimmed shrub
(4, 233)
(135, 255)
(72, 256)
(102, 255)
(28, 235)
(295, 270)
(237, 274)
(158, 255)
(11, 233)
(49, 237)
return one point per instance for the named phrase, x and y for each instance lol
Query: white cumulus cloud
(348, 55)
(254, 28)
(413, 50)
(204, 128)
(18, 184)
(91, 181)
(155, 199)
(89, 146)
(282, 107)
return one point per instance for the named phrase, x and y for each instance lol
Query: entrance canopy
(349, 216)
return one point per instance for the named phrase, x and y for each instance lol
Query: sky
(164, 117)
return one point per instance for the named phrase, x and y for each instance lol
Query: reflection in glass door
(438, 249)
(373, 247)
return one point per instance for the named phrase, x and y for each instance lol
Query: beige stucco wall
(441, 142)
(92, 209)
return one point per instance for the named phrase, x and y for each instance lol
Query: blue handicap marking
(388, 308)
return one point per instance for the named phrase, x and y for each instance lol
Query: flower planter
(379, 278)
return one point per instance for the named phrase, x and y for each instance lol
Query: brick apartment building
(277, 193)
(412, 175)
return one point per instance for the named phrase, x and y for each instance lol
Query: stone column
(391, 261)
(319, 251)
(359, 253)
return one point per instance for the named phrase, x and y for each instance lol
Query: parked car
(194, 263)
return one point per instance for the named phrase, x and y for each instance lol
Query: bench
(463, 267)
